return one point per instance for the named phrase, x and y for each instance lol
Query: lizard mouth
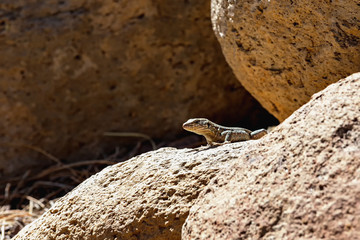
(195, 128)
(188, 126)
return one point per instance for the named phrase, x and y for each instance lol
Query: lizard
(216, 134)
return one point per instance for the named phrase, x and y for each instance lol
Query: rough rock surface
(302, 182)
(147, 197)
(284, 51)
(71, 70)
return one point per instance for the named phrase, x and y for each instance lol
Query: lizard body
(215, 133)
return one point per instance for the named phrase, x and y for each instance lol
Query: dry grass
(13, 220)
(28, 197)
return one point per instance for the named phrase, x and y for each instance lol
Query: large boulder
(301, 182)
(147, 197)
(284, 51)
(71, 70)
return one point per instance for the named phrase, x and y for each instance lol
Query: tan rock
(147, 197)
(283, 51)
(302, 181)
(71, 70)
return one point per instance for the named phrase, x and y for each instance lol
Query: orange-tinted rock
(284, 51)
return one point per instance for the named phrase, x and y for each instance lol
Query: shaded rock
(71, 70)
(147, 197)
(282, 52)
(301, 182)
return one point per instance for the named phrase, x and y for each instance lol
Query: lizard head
(197, 125)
